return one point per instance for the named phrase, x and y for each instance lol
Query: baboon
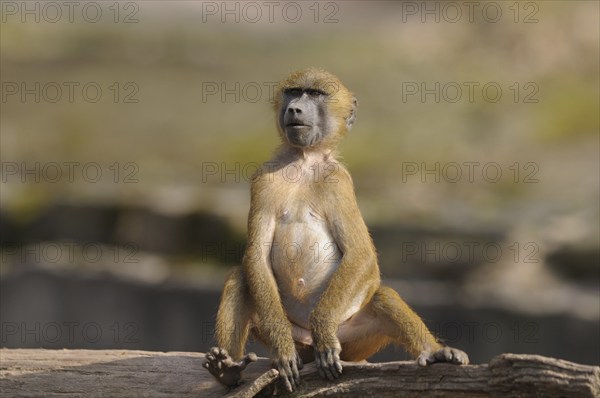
(309, 285)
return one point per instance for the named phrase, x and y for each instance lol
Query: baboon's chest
(303, 257)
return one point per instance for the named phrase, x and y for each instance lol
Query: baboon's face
(304, 118)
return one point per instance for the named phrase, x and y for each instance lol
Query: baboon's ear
(352, 117)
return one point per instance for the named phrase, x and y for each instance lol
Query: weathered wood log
(70, 373)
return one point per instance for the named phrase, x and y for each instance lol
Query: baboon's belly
(303, 257)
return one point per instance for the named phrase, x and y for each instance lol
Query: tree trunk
(70, 373)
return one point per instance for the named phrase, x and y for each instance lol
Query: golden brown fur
(304, 198)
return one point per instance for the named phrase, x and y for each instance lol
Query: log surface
(74, 373)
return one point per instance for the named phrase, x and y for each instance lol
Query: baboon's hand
(444, 354)
(288, 367)
(327, 359)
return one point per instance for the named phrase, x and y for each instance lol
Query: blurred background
(130, 130)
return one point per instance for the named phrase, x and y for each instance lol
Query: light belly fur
(303, 257)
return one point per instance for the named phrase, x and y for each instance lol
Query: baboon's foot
(224, 368)
(444, 354)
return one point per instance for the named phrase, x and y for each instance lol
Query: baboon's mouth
(297, 124)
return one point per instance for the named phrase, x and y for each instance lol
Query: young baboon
(309, 286)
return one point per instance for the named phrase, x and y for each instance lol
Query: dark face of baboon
(313, 109)
(303, 116)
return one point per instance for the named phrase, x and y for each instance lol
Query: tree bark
(71, 373)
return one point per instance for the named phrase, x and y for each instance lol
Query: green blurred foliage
(171, 132)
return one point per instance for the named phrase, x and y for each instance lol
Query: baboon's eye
(293, 91)
(314, 92)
